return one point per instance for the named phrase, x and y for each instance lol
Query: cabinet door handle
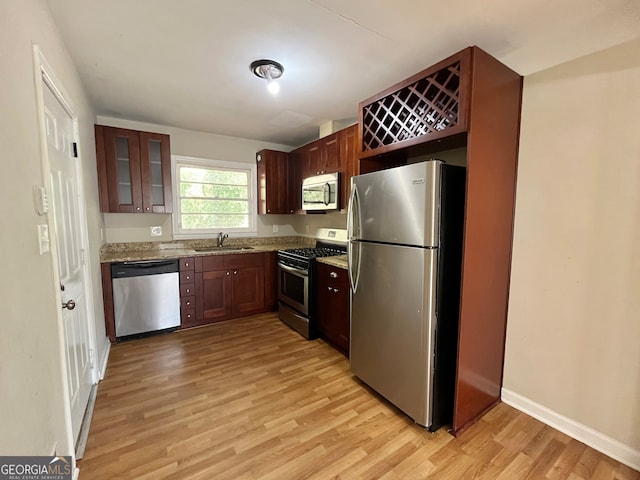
(186, 264)
(335, 290)
(235, 272)
(187, 277)
(333, 275)
(187, 290)
(147, 209)
(330, 288)
(137, 209)
(228, 273)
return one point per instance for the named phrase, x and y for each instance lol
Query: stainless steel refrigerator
(405, 228)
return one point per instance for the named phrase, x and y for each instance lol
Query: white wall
(31, 393)
(573, 335)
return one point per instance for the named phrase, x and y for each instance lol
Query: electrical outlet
(156, 231)
(275, 229)
(306, 228)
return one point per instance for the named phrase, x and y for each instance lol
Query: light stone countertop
(339, 261)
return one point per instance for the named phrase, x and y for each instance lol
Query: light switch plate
(156, 231)
(40, 200)
(43, 239)
(275, 229)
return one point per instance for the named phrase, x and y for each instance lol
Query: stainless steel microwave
(321, 192)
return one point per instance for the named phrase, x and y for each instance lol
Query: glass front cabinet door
(134, 171)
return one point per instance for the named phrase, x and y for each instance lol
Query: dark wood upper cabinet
(134, 171)
(323, 156)
(348, 143)
(273, 182)
(468, 100)
(337, 152)
(296, 160)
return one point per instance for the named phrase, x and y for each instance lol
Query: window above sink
(210, 196)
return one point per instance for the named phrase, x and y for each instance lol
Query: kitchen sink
(230, 248)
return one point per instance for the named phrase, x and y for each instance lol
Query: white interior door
(65, 208)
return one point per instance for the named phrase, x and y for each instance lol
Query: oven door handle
(294, 270)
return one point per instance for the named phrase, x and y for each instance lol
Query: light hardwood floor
(251, 399)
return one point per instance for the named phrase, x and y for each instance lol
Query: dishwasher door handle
(143, 268)
(149, 263)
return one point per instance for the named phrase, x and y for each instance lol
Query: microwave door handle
(326, 189)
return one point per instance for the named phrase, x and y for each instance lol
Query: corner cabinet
(134, 171)
(469, 100)
(273, 182)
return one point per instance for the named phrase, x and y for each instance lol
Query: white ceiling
(186, 63)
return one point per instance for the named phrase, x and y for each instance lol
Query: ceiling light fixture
(270, 71)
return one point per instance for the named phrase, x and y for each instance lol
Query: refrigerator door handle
(353, 215)
(350, 211)
(353, 249)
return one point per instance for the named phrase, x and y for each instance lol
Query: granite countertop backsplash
(137, 251)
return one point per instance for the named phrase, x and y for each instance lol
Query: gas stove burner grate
(313, 252)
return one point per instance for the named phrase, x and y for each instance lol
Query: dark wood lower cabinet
(214, 302)
(333, 305)
(228, 286)
(214, 288)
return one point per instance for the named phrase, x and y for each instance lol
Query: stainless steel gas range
(296, 285)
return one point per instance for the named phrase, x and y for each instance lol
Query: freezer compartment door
(400, 205)
(393, 325)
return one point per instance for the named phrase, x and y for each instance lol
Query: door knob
(70, 305)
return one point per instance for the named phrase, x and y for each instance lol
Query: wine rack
(426, 106)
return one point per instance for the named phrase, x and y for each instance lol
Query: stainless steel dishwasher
(146, 296)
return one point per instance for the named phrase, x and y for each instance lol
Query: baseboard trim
(587, 435)
(105, 358)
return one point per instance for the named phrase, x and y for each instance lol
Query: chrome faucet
(221, 238)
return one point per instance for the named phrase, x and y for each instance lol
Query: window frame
(182, 160)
